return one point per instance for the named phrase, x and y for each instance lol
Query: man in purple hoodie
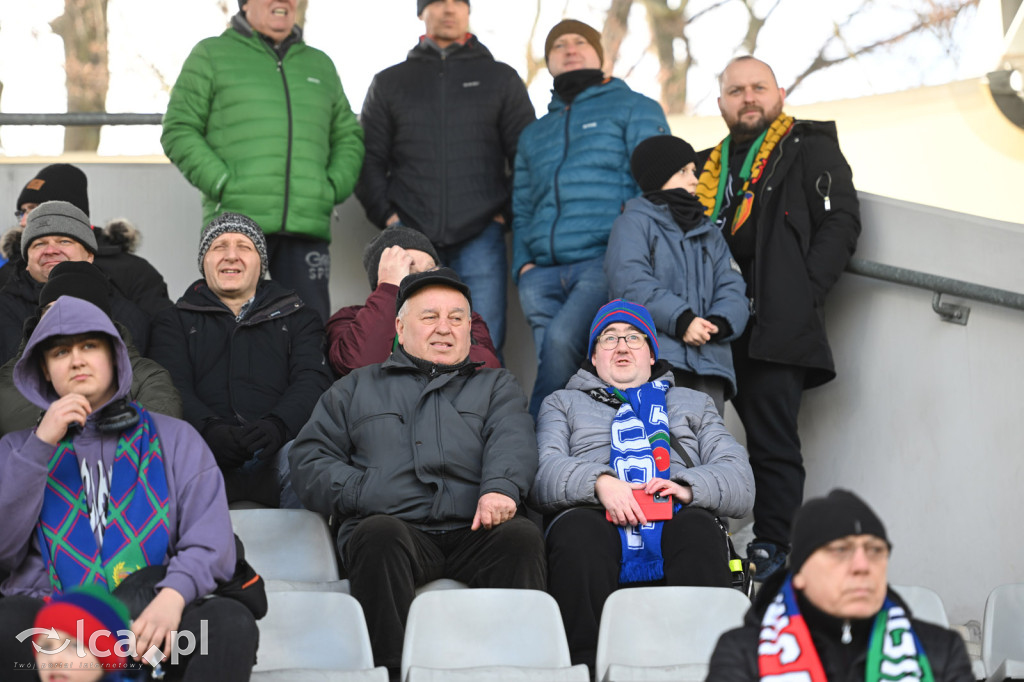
(101, 488)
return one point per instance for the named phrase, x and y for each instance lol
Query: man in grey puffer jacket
(581, 485)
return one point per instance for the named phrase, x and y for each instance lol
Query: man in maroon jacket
(362, 335)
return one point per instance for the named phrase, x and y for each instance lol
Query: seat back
(474, 628)
(313, 630)
(1002, 633)
(924, 603)
(666, 626)
(287, 544)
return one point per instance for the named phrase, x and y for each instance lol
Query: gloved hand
(224, 439)
(263, 436)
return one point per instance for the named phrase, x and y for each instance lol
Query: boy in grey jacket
(665, 254)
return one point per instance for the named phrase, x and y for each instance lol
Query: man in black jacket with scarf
(782, 193)
(441, 130)
(831, 616)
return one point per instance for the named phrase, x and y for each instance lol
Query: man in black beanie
(441, 133)
(360, 335)
(831, 616)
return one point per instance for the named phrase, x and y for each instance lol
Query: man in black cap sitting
(831, 616)
(425, 460)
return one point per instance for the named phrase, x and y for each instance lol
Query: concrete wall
(924, 419)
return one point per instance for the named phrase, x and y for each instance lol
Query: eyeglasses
(843, 550)
(610, 341)
(20, 213)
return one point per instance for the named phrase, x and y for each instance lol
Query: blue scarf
(640, 451)
(136, 534)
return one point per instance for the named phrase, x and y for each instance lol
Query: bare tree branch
(83, 27)
(940, 18)
(616, 25)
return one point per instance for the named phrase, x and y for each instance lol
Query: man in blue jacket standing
(441, 132)
(572, 180)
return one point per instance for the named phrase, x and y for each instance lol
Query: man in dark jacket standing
(441, 132)
(425, 461)
(831, 616)
(247, 357)
(782, 193)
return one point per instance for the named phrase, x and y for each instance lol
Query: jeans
(304, 266)
(560, 302)
(482, 264)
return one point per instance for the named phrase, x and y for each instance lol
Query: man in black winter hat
(441, 134)
(831, 616)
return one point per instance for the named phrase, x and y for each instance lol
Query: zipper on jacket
(288, 155)
(444, 141)
(755, 285)
(558, 171)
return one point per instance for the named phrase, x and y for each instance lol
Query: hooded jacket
(19, 300)
(266, 133)
(803, 244)
(201, 548)
(735, 656)
(572, 176)
(422, 446)
(653, 262)
(271, 363)
(151, 386)
(441, 133)
(574, 442)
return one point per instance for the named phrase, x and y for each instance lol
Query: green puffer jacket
(266, 133)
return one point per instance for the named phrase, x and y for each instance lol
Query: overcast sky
(149, 39)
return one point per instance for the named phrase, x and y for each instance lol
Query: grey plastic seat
(287, 544)
(1002, 633)
(486, 634)
(314, 636)
(924, 603)
(664, 633)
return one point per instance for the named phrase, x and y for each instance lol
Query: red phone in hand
(654, 506)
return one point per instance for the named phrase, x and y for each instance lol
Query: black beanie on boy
(658, 158)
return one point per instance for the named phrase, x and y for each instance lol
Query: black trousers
(232, 639)
(584, 554)
(387, 559)
(768, 404)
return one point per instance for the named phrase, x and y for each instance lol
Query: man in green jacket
(258, 121)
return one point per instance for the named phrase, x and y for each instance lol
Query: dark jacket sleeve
(362, 335)
(170, 350)
(482, 349)
(372, 189)
(153, 386)
(735, 657)
(309, 375)
(835, 233)
(510, 442)
(133, 319)
(321, 465)
(516, 113)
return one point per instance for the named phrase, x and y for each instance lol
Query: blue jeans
(482, 263)
(304, 266)
(560, 302)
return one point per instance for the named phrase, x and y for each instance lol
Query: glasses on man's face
(20, 213)
(610, 341)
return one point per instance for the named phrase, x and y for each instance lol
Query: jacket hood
(68, 316)
(662, 215)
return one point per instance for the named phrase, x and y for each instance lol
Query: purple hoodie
(201, 549)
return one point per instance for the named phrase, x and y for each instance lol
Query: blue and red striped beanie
(98, 610)
(629, 313)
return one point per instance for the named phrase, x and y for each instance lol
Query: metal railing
(950, 312)
(100, 118)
